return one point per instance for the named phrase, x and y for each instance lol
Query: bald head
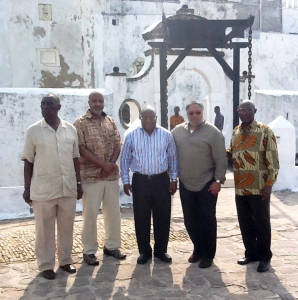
(148, 108)
(247, 104)
(148, 119)
(246, 111)
(52, 97)
(94, 93)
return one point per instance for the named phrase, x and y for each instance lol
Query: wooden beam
(226, 68)
(178, 60)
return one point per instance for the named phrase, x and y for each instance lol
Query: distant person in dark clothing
(219, 118)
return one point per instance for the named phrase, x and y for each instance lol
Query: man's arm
(108, 167)
(173, 164)
(78, 175)
(125, 162)
(116, 154)
(28, 172)
(271, 162)
(219, 156)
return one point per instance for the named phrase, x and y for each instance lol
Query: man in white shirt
(52, 184)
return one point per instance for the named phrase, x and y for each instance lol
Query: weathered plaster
(63, 79)
(39, 32)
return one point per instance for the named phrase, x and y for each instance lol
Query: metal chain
(249, 62)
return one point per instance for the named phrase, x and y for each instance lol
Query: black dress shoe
(194, 258)
(245, 260)
(164, 257)
(69, 268)
(48, 274)
(142, 259)
(205, 263)
(263, 266)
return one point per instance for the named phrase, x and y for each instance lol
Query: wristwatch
(217, 181)
(174, 180)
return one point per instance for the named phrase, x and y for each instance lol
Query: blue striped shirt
(149, 154)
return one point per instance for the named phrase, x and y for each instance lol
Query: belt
(152, 176)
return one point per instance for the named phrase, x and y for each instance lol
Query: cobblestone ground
(114, 279)
(18, 246)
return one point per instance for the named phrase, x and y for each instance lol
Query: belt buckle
(150, 176)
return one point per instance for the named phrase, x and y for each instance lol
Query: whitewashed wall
(20, 108)
(274, 103)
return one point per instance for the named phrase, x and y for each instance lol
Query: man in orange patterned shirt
(176, 119)
(255, 161)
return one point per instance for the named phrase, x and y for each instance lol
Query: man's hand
(127, 189)
(109, 167)
(173, 187)
(103, 174)
(79, 192)
(26, 196)
(266, 193)
(214, 188)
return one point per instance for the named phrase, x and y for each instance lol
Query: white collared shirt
(51, 153)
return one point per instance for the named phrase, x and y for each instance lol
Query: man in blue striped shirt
(150, 153)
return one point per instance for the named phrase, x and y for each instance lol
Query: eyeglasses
(194, 113)
(148, 118)
(244, 110)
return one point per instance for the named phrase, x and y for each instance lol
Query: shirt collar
(89, 115)
(155, 129)
(186, 125)
(45, 124)
(252, 125)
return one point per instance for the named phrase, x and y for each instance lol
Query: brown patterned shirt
(100, 137)
(255, 158)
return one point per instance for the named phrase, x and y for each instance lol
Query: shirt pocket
(68, 140)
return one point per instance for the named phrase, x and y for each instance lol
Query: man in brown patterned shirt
(99, 144)
(255, 160)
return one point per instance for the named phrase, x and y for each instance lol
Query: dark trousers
(151, 194)
(254, 222)
(199, 209)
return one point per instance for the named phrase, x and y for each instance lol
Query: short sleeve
(76, 152)
(80, 133)
(29, 148)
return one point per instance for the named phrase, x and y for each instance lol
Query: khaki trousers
(46, 212)
(107, 193)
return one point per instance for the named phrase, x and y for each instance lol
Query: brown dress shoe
(69, 268)
(194, 258)
(115, 253)
(48, 274)
(205, 263)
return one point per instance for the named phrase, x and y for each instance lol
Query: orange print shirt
(255, 158)
(174, 121)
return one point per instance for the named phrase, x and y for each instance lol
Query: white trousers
(46, 212)
(107, 193)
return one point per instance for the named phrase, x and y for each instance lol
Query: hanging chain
(249, 62)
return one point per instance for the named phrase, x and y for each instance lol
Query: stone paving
(113, 279)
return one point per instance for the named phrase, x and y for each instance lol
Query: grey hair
(194, 102)
(148, 108)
